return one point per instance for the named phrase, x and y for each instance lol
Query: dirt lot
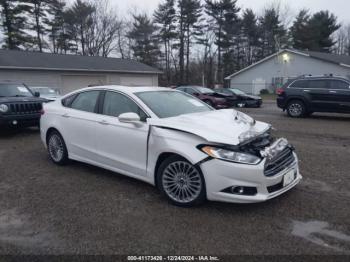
(79, 209)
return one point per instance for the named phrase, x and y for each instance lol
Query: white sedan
(172, 140)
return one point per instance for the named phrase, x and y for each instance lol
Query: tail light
(279, 91)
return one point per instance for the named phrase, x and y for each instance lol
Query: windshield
(237, 91)
(13, 90)
(168, 103)
(45, 91)
(205, 90)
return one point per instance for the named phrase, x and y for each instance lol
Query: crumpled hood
(221, 126)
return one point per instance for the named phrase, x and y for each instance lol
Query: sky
(339, 7)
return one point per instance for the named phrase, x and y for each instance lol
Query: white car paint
(133, 149)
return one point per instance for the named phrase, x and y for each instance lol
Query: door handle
(333, 92)
(306, 90)
(103, 122)
(65, 115)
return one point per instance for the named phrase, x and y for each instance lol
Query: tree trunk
(82, 38)
(6, 12)
(181, 49)
(188, 55)
(37, 21)
(219, 70)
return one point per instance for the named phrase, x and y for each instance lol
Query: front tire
(56, 148)
(296, 108)
(181, 182)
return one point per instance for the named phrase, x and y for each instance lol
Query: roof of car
(130, 89)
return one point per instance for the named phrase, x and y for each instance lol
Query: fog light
(237, 190)
(241, 190)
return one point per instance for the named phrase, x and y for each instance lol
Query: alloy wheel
(56, 147)
(182, 182)
(295, 109)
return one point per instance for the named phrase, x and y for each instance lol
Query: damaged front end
(279, 153)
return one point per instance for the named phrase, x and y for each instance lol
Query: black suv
(19, 107)
(305, 95)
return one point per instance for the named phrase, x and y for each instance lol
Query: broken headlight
(229, 155)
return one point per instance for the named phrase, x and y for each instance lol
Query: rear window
(299, 84)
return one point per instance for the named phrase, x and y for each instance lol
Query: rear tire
(181, 182)
(56, 148)
(296, 108)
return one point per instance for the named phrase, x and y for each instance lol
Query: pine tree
(321, 26)
(145, 45)
(251, 33)
(165, 18)
(13, 23)
(300, 31)
(78, 20)
(56, 26)
(38, 11)
(189, 28)
(273, 33)
(224, 22)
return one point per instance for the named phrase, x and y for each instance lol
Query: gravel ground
(80, 209)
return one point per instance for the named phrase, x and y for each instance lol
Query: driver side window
(116, 104)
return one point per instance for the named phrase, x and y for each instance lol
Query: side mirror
(129, 118)
(36, 94)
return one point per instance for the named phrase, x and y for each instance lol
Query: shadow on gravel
(12, 132)
(331, 117)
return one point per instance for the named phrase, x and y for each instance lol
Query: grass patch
(269, 96)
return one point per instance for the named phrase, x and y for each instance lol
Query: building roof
(341, 60)
(23, 60)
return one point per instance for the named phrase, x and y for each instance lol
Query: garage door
(74, 82)
(136, 81)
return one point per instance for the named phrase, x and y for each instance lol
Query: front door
(122, 146)
(340, 90)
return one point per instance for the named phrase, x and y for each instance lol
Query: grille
(25, 108)
(280, 162)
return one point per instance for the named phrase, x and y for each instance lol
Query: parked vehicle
(305, 95)
(19, 106)
(46, 92)
(241, 99)
(207, 95)
(172, 140)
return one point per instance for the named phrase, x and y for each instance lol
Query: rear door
(340, 90)
(79, 120)
(321, 97)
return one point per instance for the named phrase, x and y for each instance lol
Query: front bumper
(253, 103)
(20, 120)
(220, 175)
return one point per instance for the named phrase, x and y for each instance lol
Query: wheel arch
(49, 131)
(300, 98)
